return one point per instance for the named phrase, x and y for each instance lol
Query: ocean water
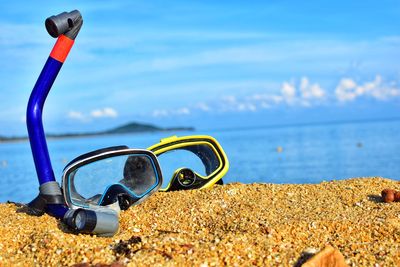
(290, 154)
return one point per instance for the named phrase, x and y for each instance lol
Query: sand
(233, 224)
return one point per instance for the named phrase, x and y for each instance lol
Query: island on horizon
(132, 127)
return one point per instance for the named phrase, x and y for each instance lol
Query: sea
(296, 154)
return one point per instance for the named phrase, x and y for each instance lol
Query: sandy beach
(233, 224)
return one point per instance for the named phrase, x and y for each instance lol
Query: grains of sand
(233, 224)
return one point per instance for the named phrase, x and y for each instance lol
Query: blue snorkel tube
(65, 27)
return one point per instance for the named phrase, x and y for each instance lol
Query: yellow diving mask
(192, 162)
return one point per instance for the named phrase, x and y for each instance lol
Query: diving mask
(112, 175)
(192, 162)
(99, 184)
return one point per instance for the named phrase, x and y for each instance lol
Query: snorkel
(81, 203)
(65, 27)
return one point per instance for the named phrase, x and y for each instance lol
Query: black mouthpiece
(67, 23)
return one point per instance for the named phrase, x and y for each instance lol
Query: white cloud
(97, 113)
(348, 90)
(229, 99)
(266, 99)
(160, 113)
(246, 107)
(203, 106)
(288, 91)
(104, 113)
(76, 115)
(231, 103)
(379, 90)
(301, 93)
(306, 94)
(183, 111)
(310, 91)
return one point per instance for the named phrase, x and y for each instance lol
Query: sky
(207, 64)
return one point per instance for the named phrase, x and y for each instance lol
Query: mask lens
(107, 178)
(201, 159)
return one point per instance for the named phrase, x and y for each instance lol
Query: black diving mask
(115, 177)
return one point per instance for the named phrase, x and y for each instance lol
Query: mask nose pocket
(120, 193)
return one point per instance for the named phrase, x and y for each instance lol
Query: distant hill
(135, 127)
(132, 127)
(12, 138)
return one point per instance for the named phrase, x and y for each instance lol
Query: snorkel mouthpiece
(99, 222)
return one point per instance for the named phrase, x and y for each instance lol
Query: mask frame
(104, 154)
(184, 143)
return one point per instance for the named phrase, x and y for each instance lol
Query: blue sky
(208, 64)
